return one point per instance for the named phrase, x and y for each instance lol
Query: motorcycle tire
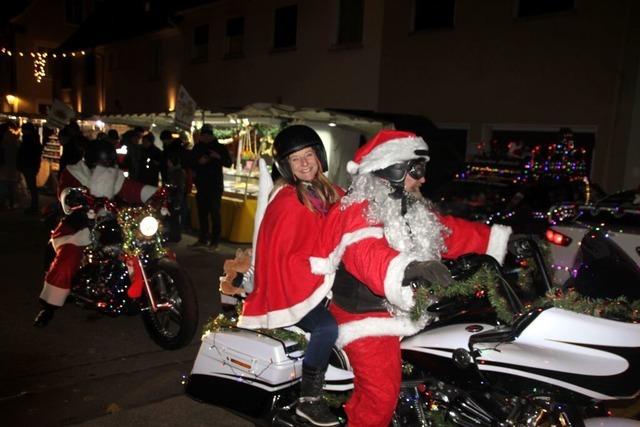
(169, 329)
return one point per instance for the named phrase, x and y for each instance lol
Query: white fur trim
(379, 327)
(498, 240)
(291, 315)
(81, 172)
(53, 294)
(352, 167)
(105, 182)
(265, 185)
(392, 152)
(146, 192)
(398, 295)
(330, 263)
(79, 238)
(63, 195)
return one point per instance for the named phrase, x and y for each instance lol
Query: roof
(259, 112)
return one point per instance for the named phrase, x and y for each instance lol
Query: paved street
(86, 368)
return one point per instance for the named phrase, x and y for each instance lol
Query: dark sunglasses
(417, 169)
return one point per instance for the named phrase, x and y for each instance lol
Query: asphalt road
(86, 368)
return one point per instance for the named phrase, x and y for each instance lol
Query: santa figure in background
(384, 238)
(98, 175)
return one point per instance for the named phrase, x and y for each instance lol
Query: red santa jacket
(285, 289)
(366, 254)
(100, 182)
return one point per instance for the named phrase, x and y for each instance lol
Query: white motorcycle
(550, 367)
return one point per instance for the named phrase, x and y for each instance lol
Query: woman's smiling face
(304, 164)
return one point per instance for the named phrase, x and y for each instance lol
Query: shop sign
(185, 109)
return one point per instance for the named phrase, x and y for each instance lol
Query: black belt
(353, 296)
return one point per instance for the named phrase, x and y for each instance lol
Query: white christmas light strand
(39, 59)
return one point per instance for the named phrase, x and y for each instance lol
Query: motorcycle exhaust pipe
(468, 405)
(465, 420)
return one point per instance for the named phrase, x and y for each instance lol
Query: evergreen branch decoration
(616, 309)
(482, 283)
(225, 321)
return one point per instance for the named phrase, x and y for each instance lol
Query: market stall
(251, 138)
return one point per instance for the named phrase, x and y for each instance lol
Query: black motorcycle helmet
(292, 139)
(100, 152)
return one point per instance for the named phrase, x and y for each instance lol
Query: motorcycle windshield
(604, 270)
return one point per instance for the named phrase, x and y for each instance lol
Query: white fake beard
(418, 232)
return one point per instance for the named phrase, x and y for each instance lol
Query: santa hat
(387, 148)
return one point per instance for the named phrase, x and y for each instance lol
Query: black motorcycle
(127, 270)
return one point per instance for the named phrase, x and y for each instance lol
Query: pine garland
(482, 283)
(225, 321)
(616, 309)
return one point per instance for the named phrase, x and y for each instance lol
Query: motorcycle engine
(103, 283)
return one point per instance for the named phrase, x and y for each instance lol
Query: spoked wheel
(174, 324)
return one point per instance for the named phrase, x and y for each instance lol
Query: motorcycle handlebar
(91, 202)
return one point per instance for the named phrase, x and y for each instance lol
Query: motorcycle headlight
(148, 226)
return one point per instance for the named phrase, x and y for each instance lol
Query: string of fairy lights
(40, 59)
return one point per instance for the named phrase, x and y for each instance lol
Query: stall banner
(59, 114)
(185, 109)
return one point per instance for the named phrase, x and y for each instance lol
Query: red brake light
(557, 238)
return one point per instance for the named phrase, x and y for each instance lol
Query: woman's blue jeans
(324, 332)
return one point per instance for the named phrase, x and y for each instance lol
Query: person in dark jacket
(150, 161)
(29, 155)
(73, 145)
(176, 177)
(208, 158)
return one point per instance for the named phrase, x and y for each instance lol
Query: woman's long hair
(322, 188)
(320, 185)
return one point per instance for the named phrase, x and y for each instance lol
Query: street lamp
(12, 100)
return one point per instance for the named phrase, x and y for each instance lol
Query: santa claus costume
(72, 235)
(368, 245)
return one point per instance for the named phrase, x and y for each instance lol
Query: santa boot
(45, 315)
(311, 406)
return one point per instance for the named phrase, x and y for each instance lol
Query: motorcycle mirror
(462, 358)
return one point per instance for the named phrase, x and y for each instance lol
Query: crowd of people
(178, 165)
(20, 154)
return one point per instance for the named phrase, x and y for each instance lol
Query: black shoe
(43, 317)
(316, 411)
(311, 406)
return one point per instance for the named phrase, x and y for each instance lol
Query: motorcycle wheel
(171, 328)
